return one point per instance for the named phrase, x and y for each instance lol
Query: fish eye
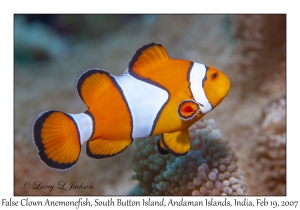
(215, 75)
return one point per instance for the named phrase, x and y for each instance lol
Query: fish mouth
(227, 87)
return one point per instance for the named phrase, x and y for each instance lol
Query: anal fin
(101, 148)
(177, 143)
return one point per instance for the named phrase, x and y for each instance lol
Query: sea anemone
(209, 168)
(271, 149)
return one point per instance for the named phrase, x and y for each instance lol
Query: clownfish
(155, 95)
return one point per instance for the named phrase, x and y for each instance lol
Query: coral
(271, 149)
(274, 120)
(209, 168)
(258, 76)
(260, 42)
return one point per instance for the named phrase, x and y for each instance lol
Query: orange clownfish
(155, 95)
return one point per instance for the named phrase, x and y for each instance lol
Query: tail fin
(59, 136)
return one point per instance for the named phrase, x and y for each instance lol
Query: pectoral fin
(161, 148)
(177, 143)
(188, 109)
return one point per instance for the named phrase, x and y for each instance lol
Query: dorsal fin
(147, 56)
(91, 83)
